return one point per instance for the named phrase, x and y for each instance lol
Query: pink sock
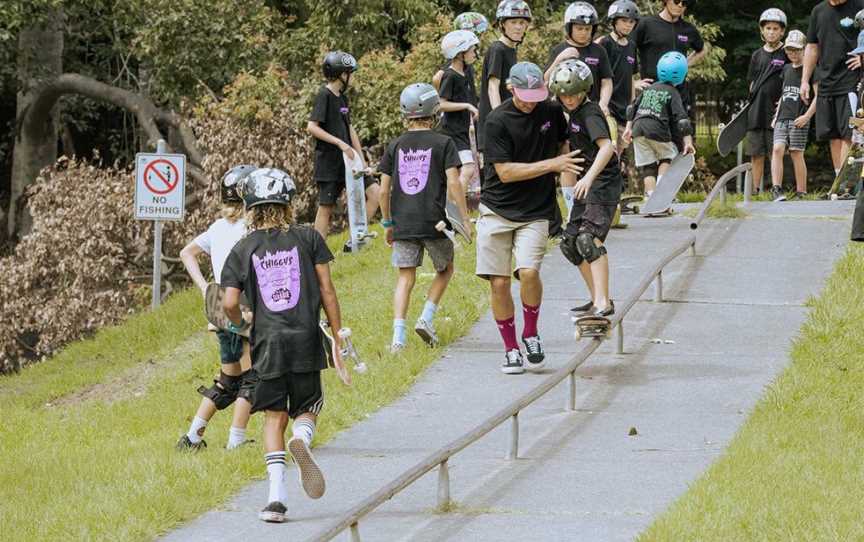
(530, 314)
(508, 333)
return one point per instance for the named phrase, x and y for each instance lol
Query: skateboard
(668, 185)
(592, 327)
(355, 196)
(348, 352)
(628, 205)
(216, 314)
(853, 170)
(734, 132)
(455, 223)
(472, 191)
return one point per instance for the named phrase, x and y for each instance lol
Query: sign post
(160, 194)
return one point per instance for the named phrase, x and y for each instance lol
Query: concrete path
(730, 315)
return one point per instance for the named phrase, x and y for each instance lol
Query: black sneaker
(583, 309)
(777, 194)
(534, 348)
(347, 248)
(800, 195)
(273, 513)
(607, 312)
(186, 445)
(513, 363)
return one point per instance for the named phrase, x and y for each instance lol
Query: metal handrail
(719, 188)
(351, 518)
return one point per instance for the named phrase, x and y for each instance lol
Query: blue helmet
(672, 68)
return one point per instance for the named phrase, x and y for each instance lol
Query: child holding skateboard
(284, 271)
(597, 192)
(330, 125)
(418, 170)
(229, 386)
(791, 120)
(473, 22)
(458, 101)
(766, 87)
(656, 117)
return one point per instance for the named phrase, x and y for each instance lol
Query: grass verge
(720, 210)
(795, 469)
(84, 457)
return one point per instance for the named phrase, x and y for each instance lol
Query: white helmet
(513, 9)
(457, 42)
(796, 40)
(772, 15)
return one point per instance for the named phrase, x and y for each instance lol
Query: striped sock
(196, 430)
(304, 429)
(276, 472)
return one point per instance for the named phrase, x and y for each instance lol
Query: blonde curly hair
(270, 215)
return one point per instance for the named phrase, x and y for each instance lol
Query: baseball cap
(527, 82)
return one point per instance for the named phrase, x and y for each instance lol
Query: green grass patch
(720, 210)
(87, 437)
(795, 470)
(699, 197)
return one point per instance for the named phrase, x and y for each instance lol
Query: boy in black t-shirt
(458, 101)
(598, 191)
(766, 86)
(512, 18)
(330, 125)
(284, 271)
(791, 120)
(418, 169)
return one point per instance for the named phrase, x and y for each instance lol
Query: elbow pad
(685, 127)
(631, 111)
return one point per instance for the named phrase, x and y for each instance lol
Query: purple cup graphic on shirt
(278, 279)
(414, 170)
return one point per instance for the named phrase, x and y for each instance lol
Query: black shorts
(593, 218)
(329, 191)
(230, 346)
(832, 117)
(296, 393)
(760, 142)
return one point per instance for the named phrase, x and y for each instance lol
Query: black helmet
(267, 185)
(337, 62)
(622, 9)
(231, 182)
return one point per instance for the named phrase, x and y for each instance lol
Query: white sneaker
(513, 363)
(273, 513)
(396, 348)
(534, 348)
(426, 332)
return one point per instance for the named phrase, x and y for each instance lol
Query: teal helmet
(672, 68)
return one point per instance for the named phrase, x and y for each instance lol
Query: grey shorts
(785, 133)
(410, 253)
(500, 241)
(760, 142)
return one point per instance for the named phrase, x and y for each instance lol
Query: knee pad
(685, 127)
(223, 392)
(569, 250)
(651, 170)
(587, 249)
(247, 385)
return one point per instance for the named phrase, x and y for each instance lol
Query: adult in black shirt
(658, 34)
(526, 145)
(830, 37)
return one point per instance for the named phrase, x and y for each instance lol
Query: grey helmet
(457, 42)
(471, 20)
(338, 62)
(571, 77)
(232, 180)
(622, 9)
(267, 185)
(580, 13)
(512, 9)
(772, 15)
(796, 40)
(418, 101)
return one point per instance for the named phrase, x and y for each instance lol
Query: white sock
(304, 429)
(567, 192)
(236, 437)
(276, 473)
(196, 429)
(429, 310)
(399, 331)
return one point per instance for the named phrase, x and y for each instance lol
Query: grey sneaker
(273, 513)
(583, 309)
(513, 363)
(396, 348)
(534, 348)
(426, 332)
(777, 194)
(311, 477)
(186, 445)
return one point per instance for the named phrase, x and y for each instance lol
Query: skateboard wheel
(360, 368)
(850, 161)
(441, 226)
(577, 334)
(834, 197)
(345, 332)
(635, 209)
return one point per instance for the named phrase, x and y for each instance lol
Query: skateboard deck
(669, 184)
(592, 327)
(355, 198)
(347, 352)
(455, 223)
(853, 170)
(472, 191)
(215, 313)
(734, 132)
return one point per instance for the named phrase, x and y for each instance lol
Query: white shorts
(467, 157)
(651, 152)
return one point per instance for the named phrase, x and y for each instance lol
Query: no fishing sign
(160, 186)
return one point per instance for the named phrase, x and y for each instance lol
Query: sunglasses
(679, 2)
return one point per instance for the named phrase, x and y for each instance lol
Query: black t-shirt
(833, 28)
(594, 56)
(276, 270)
(514, 136)
(655, 36)
(766, 70)
(657, 112)
(791, 106)
(587, 125)
(332, 114)
(497, 63)
(417, 162)
(623, 61)
(456, 87)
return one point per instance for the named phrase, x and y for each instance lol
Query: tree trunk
(40, 59)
